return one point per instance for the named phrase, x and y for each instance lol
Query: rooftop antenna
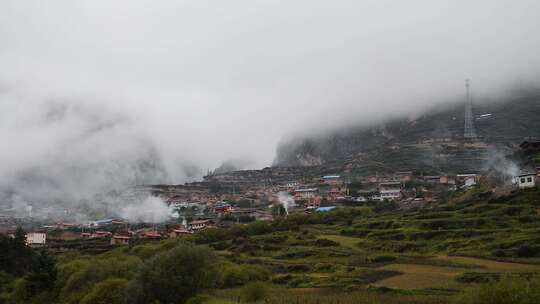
(468, 131)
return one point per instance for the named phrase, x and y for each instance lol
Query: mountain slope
(432, 141)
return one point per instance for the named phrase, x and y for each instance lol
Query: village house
(302, 194)
(100, 234)
(36, 239)
(365, 195)
(261, 215)
(120, 240)
(177, 232)
(390, 190)
(439, 179)
(336, 192)
(447, 180)
(468, 180)
(152, 235)
(313, 203)
(222, 208)
(96, 234)
(198, 225)
(527, 180)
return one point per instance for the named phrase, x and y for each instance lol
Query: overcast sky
(87, 83)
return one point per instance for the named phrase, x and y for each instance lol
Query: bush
(383, 259)
(477, 277)
(77, 277)
(254, 292)
(110, 291)
(326, 243)
(507, 290)
(174, 275)
(282, 279)
(200, 299)
(233, 276)
(238, 275)
(527, 251)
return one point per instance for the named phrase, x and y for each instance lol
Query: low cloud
(96, 97)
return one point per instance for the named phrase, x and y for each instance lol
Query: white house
(300, 194)
(526, 180)
(468, 180)
(390, 190)
(198, 225)
(36, 238)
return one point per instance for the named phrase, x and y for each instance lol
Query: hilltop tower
(469, 131)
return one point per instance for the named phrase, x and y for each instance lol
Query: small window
(529, 179)
(522, 180)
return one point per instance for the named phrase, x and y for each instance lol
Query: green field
(425, 255)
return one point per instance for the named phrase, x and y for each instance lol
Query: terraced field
(428, 255)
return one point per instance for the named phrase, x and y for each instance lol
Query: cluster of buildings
(221, 200)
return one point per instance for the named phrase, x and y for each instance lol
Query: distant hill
(432, 142)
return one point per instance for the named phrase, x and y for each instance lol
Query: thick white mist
(96, 96)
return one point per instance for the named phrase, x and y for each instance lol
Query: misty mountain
(433, 140)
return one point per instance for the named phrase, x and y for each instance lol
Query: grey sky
(83, 83)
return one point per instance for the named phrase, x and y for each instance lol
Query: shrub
(325, 243)
(527, 251)
(200, 299)
(476, 277)
(254, 292)
(174, 275)
(238, 275)
(282, 279)
(507, 290)
(110, 291)
(233, 276)
(298, 268)
(383, 259)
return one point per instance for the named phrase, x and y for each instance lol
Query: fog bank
(97, 95)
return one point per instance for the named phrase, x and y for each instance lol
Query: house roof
(103, 232)
(122, 237)
(152, 234)
(36, 232)
(325, 209)
(181, 231)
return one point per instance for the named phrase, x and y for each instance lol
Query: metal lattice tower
(469, 130)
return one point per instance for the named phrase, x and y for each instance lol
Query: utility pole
(469, 131)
